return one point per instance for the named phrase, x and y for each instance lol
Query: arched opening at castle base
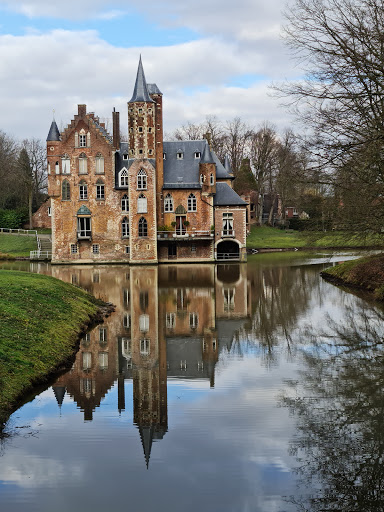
(228, 250)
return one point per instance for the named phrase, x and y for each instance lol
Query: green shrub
(13, 219)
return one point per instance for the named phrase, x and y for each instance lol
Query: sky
(208, 58)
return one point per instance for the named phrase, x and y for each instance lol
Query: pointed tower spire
(146, 434)
(54, 134)
(140, 92)
(206, 157)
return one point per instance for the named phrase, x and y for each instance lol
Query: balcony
(183, 234)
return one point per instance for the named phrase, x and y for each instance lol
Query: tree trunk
(30, 197)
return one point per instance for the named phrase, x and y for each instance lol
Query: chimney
(82, 110)
(116, 128)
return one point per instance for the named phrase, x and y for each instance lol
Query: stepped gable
(91, 121)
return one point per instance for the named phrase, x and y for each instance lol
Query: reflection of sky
(227, 447)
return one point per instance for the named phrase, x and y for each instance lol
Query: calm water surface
(254, 387)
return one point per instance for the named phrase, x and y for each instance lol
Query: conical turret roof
(140, 92)
(206, 157)
(54, 134)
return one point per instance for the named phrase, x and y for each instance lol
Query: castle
(141, 201)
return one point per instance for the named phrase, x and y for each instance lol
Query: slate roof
(226, 196)
(153, 89)
(54, 133)
(140, 92)
(185, 173)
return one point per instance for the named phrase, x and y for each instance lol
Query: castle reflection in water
(169, 322)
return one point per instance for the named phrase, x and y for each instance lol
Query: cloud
(58, 69)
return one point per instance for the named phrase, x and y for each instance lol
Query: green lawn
(17, 245)
(272, 238)
(40, 319)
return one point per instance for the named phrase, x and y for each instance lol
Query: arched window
(100, 189)
(125, 228)
(212, 179)
(125, 203)
(65, 191)
(57, 168)
(83, 190)
(123, 178)
(83, 163)
(141, 204)
(142, 180)
(143, 227)
(168, 203)
(65, 164)
(99, 163)
(192, 205)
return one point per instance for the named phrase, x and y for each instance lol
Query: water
(254, 387)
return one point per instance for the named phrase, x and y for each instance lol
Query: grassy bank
(364, 273)
(40, 320)
(265, 237)
(16, 246)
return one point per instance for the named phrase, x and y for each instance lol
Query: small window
(100, 189)
(168, 203)
(140, 129)
(95, 248)
(102, 335)
(49, 211)
(149, 130)
(125, 203)
(150, 151)
(193, 320)
(140, 151)
(103, 360)
(125, 228)
(197, 154)
(65, 191)
(143, 227)
(180, 155)
(212, 179)
(170, 320)
(82, 140)
(65, 164)
(140, 110)
(83, 190)
(164, 156)
(142, 180)
(131, 130)
(201, 179)
(127, 251)
(144, 347)
(57, 168)
(83, 164)
(141, 204)
(125, 156)
(73, 248)
(127, 321)
(99, 163)
(132, 151)
(192, 203)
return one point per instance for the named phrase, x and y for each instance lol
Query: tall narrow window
(82, 139)
(83, 163)
(65, 164)
(144, 346)
(83, 190)
(65, 191)
(192, 205)
(141, 204)
(212, 179)
(143, 227)
(99, 163)
(57, 168)
(123, 178)
(144, 323)
(201, 179)
(142, 180)
(125, 228)
(125, 203)
(100, 189)
(227, 224)
(168, 203)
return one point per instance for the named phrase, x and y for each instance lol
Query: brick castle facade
(142, 201)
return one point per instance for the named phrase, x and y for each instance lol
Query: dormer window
(180, 155)
(197, 154)
(125, 156)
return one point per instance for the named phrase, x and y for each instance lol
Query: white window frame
(125, 228)
(65, 165)
(103, 335)
(144, 323)
(170, 320)
(192, 203)
(227, 223)
(84, 227)
(179, 155)
(142, 204)
(168, 203)
(99, 160)
(141, 180)
(83, 164)
(100, 190)
(193, 320)
(83, 191)
(125, 203)
(95, 249)
(197, 154)
(82, 140)
(123, 178)
(74, 249)
(145, 345)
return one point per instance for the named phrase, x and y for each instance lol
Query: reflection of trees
(279, 296)
(339, 406)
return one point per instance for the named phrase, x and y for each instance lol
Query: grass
(14, 246)
(40, 320)
(364, 273)
(265, 237)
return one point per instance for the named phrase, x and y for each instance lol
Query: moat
(240, 387)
